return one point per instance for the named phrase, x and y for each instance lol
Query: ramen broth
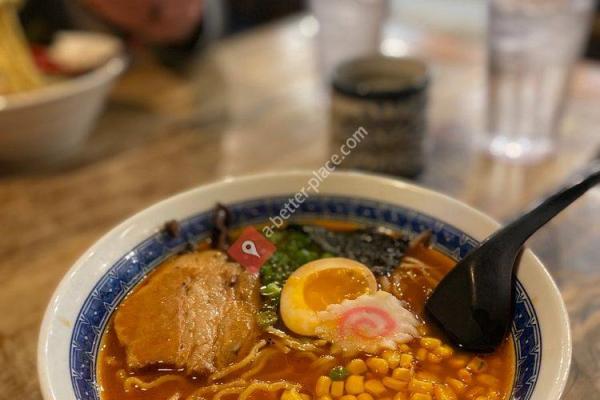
(471, 377)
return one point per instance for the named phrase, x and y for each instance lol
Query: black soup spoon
(473, 303)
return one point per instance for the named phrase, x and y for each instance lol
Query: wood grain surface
(255, 103)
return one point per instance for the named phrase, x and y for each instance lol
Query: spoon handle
(518, 231)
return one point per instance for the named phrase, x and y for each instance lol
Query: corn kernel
(400, 396)
(364, 396)
(444, 351)
(326, 397)
(455, 384)
(488, 380)
(406, 360)
(417, 385)
(378, 365)
(477, 364)
(305, 396)
(428, 376)
(393, 384)
(481, 398)
(348, 397)
(421, 354)
(355, 384)
(430, 343)
(401, 373)
(434, 358)
(443, 393)
(337, 388)
(420, 396)
(392, 358)
(291, 395)
(404, 348)
(464, 375)
(458, 362)
(356, 367)
(374, 387)
(323, 385)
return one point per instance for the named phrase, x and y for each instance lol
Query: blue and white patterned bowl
(90, 292)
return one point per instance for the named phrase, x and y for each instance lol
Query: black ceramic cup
(386, 97)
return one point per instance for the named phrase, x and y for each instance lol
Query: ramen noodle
(18, 71)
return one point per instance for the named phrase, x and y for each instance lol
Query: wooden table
(255, 103)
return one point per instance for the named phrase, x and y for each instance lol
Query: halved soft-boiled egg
(318, 284)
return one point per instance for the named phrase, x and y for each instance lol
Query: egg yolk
(332, 286)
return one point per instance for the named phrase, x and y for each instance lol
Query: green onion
(271, 290)
(294, 249)
(338, 373)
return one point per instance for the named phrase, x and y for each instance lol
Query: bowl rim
(555, 387)
(69, 87)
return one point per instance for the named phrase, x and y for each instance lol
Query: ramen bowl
(90, 292)
(49, 124)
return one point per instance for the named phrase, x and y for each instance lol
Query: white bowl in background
(94, 286)
(51, 122)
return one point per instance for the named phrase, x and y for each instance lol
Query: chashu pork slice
(196, 312)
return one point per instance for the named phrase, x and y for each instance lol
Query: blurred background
(109, 106)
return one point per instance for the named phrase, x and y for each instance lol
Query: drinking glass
(347, 29)
(532, 47)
